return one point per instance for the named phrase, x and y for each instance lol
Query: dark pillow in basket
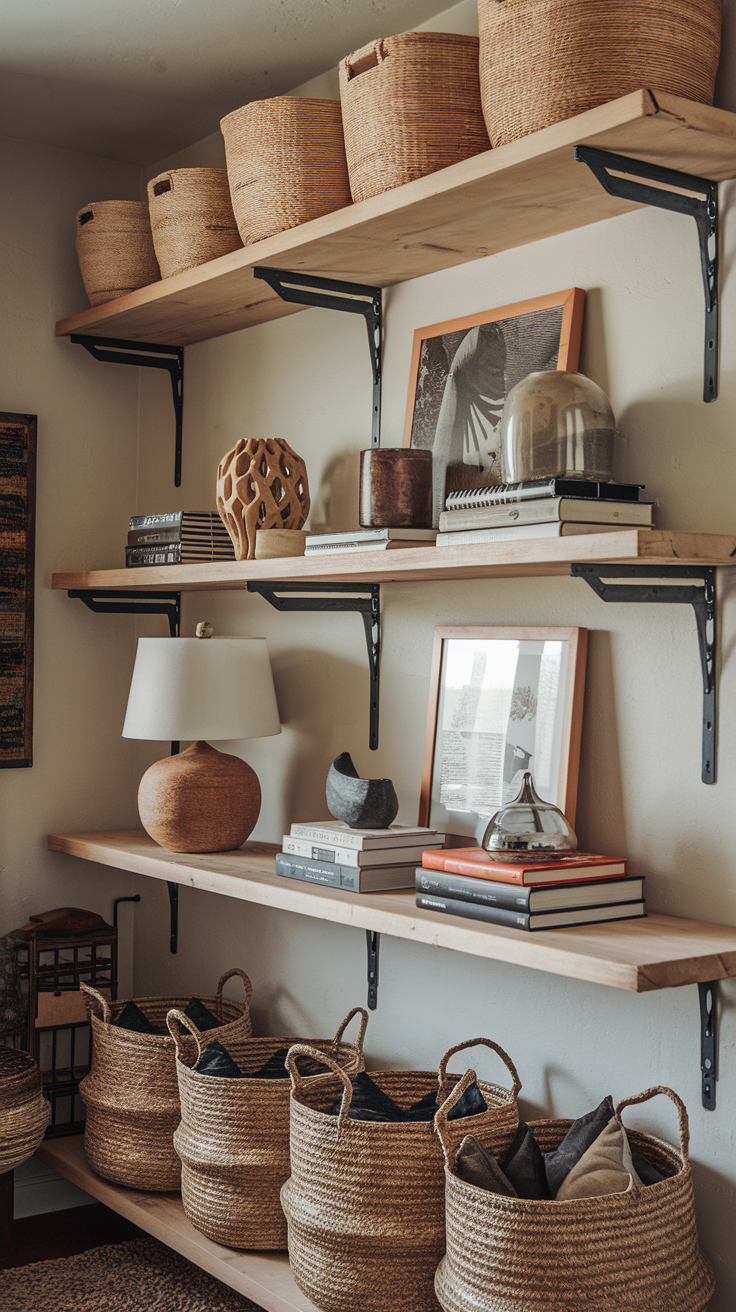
(216, 1060)
(201, 1016)
(132, 1018)
(369, 1102)
(523, 1165)
(475, 1165)
(472, 1103)
(647, 1173)
(579, 1138)
(273, 1069)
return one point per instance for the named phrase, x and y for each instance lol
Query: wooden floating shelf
(264, 1277)
(523, 557)
(657, 952)
(501, 199)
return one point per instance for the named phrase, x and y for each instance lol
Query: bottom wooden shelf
(264, 1277)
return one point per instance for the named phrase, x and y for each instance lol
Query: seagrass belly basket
(131, 1093)
(366, 1200)
(24, 1112)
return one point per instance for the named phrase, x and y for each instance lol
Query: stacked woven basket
(24, 1112)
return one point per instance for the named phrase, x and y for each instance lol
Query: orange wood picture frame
(572, 721)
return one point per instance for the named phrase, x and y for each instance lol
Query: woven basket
(192, 218)
(545, 60)
(285, 162)
(366, 1200)
(410, 105)
(115, 249)
(132, 1094)
(233, 1140)
(24, 1112)
(631, 1252)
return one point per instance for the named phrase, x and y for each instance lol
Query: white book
(339, 855)
(342, 548)
(372, 536)
(577, 510)
(476, 536)
(331, 832)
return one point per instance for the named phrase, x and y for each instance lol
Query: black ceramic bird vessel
(359, 803)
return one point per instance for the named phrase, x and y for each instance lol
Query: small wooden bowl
(274, 542)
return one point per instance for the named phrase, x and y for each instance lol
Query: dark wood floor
(56, 1234)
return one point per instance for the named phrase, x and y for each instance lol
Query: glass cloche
(557, 425)
(529, 829)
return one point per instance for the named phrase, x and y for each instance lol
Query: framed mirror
(501, 701)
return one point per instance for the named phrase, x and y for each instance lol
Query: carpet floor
(139, 1276)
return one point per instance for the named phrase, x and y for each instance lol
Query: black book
(205, 534)
(500, 493)
(512, 897)
(176, 553)
(525, 920)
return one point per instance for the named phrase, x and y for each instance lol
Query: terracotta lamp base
(199, 801)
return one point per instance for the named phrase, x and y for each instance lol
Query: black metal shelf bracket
(174, 921)
(703, 207)
(373, 943)
(709, 1041)
(136, 897)
(701, 597)
(105, 601)
(330, 294)
(145, 355)
(368, 605)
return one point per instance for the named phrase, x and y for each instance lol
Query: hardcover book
(333, 832)
(341, 855)
(476, 862)
(526, 920)
(514, 897)
(352, 878)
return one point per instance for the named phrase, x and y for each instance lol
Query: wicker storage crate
(546, 60)
(410, 105)
(366, 1200)
(132, 1094)
(192, 218)
(631, 1252)
(233, 1140)
(285, 163)
(115, 249)
(24, 1112)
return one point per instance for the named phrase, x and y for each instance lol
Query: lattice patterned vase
(261, 484)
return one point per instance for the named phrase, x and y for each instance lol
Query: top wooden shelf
(501, 199)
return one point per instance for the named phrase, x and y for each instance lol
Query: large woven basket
(132, 1093)
(545, 60)
(233, 1140)
(115, 249)
(366, 1200)
(410, 105)
(192, 218)
(285, 162)
(24, 1112)
(631, 1252)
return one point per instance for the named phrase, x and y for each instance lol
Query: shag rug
(139, 1276)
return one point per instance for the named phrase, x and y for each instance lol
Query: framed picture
(461, 372)
(17, 538)
(501, 701)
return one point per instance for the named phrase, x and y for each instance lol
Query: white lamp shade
(201, 688)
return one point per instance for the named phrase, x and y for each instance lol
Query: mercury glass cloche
(529, 829)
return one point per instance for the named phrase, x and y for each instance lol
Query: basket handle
(97, 1000)
(682, 1115)
(440, 1117)
(304, 1050)
(473, 1043)
(181, 1019)
(161, 185)
(357, 1011)
(369, 56)
(246, 985)
(85, 216)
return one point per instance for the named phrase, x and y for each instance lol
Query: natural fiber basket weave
(366, 1200)
(24, 1112)
(192, 218)
(631, 1252)
(546, 60)
(285, 163)
(115, 249)
(410, 105)
(132, 1094)
(233, 1140)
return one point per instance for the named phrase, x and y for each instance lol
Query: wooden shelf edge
(263, 1277)
(638, 955)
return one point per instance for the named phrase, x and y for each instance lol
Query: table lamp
(201, 800)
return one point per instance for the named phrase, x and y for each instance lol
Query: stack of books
(181, 537)
(361, 860)
(544, 508)
(370, 539)
(576, 890)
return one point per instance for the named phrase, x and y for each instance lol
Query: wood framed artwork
(17, 540)
(461, 372)
(501, 701)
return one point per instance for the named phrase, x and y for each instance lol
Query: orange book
(476, 862)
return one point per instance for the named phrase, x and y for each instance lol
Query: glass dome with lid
(529, 829)
(557, 425)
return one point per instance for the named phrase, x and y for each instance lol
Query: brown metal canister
(395, 488)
